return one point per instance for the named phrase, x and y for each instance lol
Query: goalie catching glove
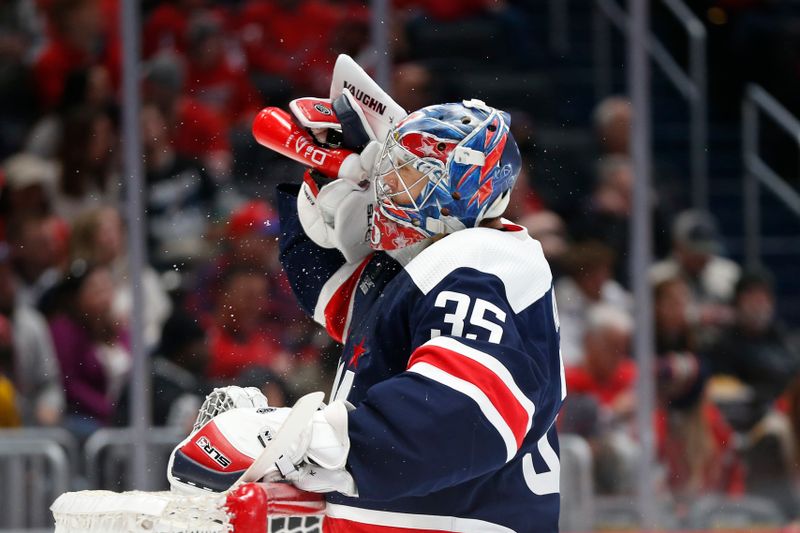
(216, 455)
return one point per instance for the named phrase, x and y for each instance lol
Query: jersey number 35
(476, 310)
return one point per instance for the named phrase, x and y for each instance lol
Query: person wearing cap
(250, 244)
(253, 232)
(30, 184)
(248, 240)
(696, 257)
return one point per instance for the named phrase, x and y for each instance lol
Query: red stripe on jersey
(338, 308)
(471, 371)
(340, 525)
(216, 440)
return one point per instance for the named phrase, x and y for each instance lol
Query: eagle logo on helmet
(424, 145)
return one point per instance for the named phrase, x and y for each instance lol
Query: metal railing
(107, 455)
(33, 471)
(58, 435)
(577, 487)
(756, 171)
(690, 83)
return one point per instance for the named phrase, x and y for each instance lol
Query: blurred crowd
(218, 307)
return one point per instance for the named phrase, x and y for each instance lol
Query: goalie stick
(296, 422)
(380, 110)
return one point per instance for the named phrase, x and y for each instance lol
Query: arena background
(138, 264)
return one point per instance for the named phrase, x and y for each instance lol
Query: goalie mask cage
(250, 508)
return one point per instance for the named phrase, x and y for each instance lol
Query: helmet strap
(443, 224)
(498, 207)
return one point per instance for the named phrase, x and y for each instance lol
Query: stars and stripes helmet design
(443, 168)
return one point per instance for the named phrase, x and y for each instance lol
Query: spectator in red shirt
(79, 38)
(237, 337)
(196, 131)
(273, 44)
(607, 374)
(697, 448)
(601, 397)
(251, 244)
(695, 444)
(165, 26)
(211, 76)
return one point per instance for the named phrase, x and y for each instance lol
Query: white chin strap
(498, 207)
(443, 225)
(448, 224)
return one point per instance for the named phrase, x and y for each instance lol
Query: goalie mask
(443, 168)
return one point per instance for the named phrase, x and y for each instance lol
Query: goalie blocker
(275, 129)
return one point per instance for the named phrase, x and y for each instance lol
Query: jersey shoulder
(512, 256)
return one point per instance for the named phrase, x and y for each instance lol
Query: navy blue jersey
(452, 362)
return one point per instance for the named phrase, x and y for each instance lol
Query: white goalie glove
(322, 467)
(239, 438)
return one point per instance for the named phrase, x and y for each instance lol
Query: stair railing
(690, 83)
(756, 172)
